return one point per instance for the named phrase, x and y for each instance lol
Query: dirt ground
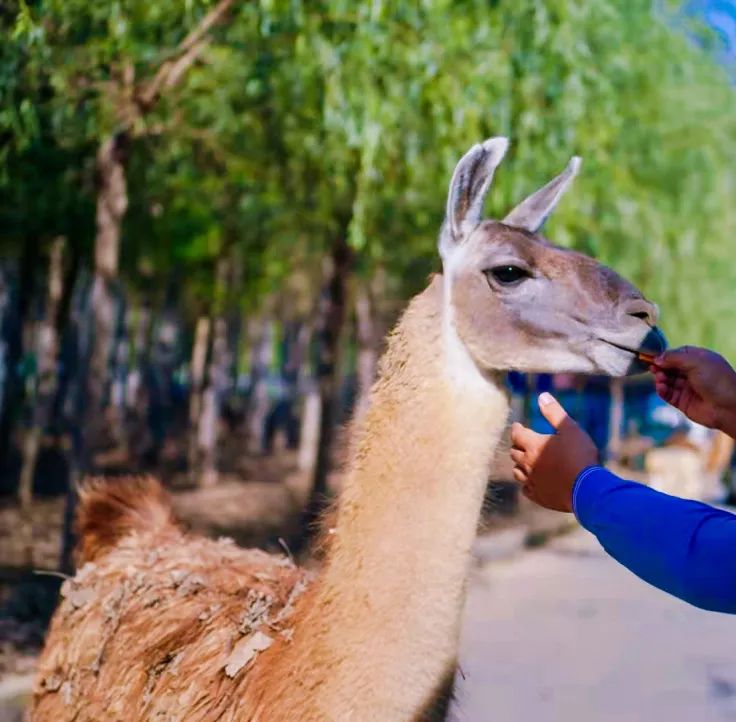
(565, 634)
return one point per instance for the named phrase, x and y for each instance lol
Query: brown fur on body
(146, 628)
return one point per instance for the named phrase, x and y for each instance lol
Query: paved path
(564, 634)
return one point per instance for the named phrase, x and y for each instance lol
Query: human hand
(700, 383)
(547, 465)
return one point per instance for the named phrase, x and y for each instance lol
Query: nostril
(643, 315)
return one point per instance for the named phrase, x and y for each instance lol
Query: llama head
(515, 301)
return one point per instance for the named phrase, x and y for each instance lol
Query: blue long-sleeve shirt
(680, 546)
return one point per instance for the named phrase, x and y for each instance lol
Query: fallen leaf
(245, 650)
(79, 596)
(66, 692)
(52, 683)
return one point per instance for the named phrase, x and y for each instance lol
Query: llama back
(157, 622)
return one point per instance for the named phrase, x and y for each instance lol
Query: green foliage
(302, 121)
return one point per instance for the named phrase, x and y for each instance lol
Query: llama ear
(533, 211)
(468, 189)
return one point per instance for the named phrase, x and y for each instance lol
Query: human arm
(682, 547)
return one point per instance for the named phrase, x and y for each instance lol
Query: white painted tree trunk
(209, 423)
(261, 363)
(309, 435)
(139, 325)
(198, 363)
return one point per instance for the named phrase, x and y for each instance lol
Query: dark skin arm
(701, 384)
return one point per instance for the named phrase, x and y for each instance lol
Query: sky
(720, 15)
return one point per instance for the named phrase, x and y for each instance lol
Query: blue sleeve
(682, 547)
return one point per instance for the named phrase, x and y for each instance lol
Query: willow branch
(172, 69)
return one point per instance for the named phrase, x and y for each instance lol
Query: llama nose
(640, 308)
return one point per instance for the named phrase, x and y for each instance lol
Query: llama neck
(390, 600)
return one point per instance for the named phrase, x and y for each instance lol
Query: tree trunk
(14, 321)
(616, 419)
(47, 347)
(233, 313)
(329, 329)
(310, 406)
(367, 338)
(6, 300)
(209, 423)
(198, 366)
(218, 375)
(140, 327)
(120, 365)
(160, 363)
(63, 324)
(310, 425)
(260, 367)
(112, 202)
(76, 412)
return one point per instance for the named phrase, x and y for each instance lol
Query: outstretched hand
(700, 383)
(547, 465)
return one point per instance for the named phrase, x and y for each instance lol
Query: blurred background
(211, 212)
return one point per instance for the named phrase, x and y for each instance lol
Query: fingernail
(545, 399)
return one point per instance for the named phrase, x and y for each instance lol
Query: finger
(685, 398)
(519, 475)
(670, 394)
(665, 392)
(667, 385)
(519, 458)
(685, 358)
(670, 390)
(523, 437)
(552, 410)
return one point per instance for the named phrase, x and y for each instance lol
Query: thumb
(552, 410)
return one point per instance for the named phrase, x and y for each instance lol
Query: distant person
(683, 547)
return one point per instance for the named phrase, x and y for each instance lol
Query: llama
(159, 624)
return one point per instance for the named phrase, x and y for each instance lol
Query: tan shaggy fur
(146, 630)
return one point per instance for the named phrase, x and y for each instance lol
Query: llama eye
(507, 275)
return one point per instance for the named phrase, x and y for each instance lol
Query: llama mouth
(652, 345)
(633, 352)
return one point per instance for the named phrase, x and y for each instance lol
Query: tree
(158, 144)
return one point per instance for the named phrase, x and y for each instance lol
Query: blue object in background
(589, 406)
